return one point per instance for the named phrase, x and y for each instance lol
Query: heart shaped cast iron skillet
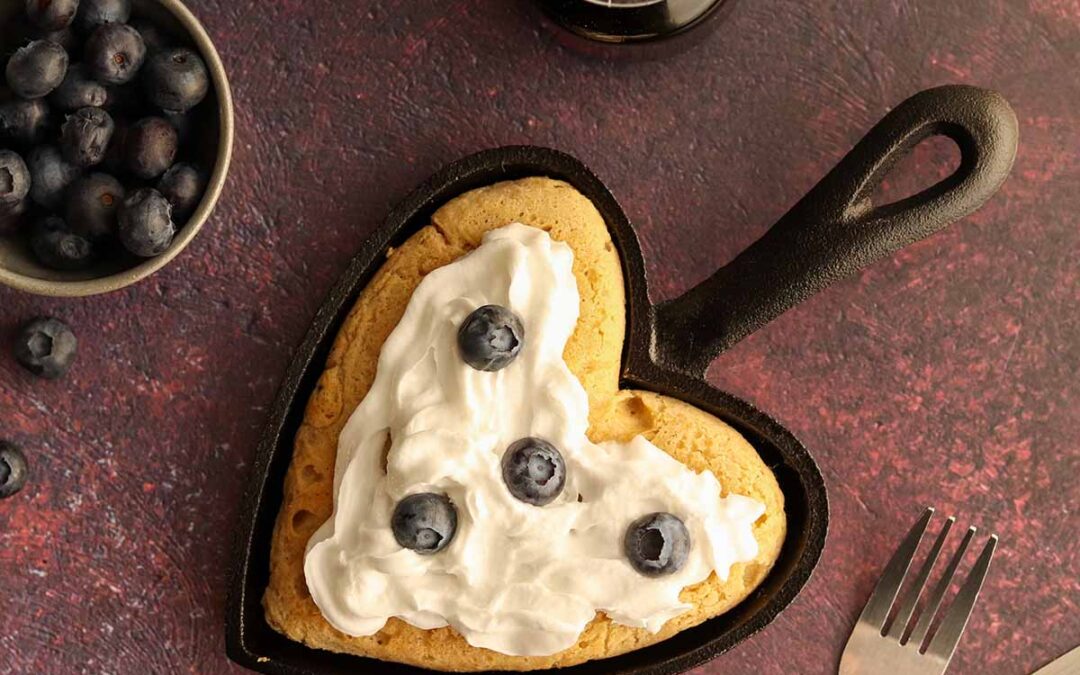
(833, 231)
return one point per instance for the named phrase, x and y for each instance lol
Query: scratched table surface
(945, 375)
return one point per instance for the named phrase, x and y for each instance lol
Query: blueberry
(424, 522)
(153, 37)
(36, 69)
(182, 185)
(24, 122)
(176, 79)
(183, 124)
(150, 147)
(13, 469)
(79, 90)
(50, 175)
(114, 53)
(12, 217)
(94, 13)
(59, 248)
(52, 15)
(145, 225)
(92, 204)
(65, 37)
(14, 178)
(490, 338)
(534, 471)
(657, 544)
(85, 136)
(46, 347)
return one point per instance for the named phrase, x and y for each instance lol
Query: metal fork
(904, 645)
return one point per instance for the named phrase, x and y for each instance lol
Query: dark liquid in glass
(627, 22)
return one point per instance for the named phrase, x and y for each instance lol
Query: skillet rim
(785, 454)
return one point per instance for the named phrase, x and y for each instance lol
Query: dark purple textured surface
(947, 375)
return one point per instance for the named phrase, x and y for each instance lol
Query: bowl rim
(214, 187)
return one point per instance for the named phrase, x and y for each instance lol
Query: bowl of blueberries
(116, 131)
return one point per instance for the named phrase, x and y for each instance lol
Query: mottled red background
(947, 375)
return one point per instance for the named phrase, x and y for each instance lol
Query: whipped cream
(517, 579)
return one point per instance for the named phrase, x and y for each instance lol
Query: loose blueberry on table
(657, 544)
(490, 338)
(425, 522)
(534, 471)
(98, 110)
(13, 469)
(46, 347)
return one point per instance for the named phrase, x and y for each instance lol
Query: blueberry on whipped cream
(534, 471)
(424, 522)
(515, 579)
(490, 338)
(657, 544)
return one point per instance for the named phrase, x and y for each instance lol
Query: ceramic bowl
(212, 140)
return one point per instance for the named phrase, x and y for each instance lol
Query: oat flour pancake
(593, 354)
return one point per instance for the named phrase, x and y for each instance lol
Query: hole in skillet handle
(928, 163)
(836, 229)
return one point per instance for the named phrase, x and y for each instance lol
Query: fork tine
(923, 625)
(877, 607)
(908, 603)
(952, 626)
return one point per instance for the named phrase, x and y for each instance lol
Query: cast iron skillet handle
(835, 230)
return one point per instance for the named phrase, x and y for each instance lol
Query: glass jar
(611, 27)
